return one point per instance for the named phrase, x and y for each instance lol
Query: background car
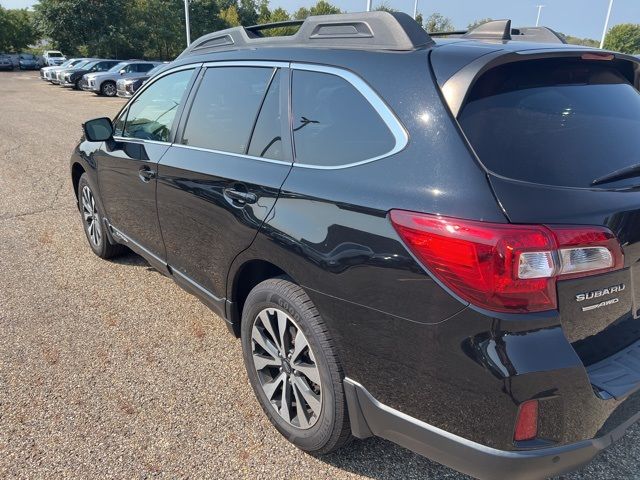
(126, 87)
(73, 77)
(47, 73)
(5, 62)
(105, 83)
(57, 75)
(53, 58)
(27, 61)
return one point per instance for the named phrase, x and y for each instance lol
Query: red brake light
(506, 267)
(527, 421)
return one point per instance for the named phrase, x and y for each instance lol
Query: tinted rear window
(333, 124)
(557, 122)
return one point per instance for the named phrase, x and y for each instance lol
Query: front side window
(333, 123)
(151, 115)
(225, 108)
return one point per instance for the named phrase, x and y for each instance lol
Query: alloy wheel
(109, 90)
(286, 367)
(91, 217)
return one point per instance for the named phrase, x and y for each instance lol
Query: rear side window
(266, 140)
(558, 121)
(333, 123)
(225, 108)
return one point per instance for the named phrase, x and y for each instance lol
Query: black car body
(448, 207)
(73, 76)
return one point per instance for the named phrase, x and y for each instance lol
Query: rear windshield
(556, 121)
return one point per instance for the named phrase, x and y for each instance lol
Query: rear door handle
(146, 174)
(240, 197)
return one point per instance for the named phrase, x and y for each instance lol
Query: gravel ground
(108, 369)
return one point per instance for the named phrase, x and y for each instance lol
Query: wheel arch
(76, 172)
(242, 280)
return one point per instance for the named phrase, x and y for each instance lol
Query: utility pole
(186, 21)
(606, 24)
(540, 7)
(368, 5)
(415, 9)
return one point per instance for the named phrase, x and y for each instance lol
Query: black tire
(100, 244)
(108, 89)
(331, 429)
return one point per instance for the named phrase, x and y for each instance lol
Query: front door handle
(240, 197)
(146, 174)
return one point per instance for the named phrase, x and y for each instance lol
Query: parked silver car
(128, 86)
(105, 83)
(46, 73)
(58, 74)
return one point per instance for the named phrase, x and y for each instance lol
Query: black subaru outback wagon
(432, 241)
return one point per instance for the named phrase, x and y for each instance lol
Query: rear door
(220, 180)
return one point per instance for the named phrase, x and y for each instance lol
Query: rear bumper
(370, 417)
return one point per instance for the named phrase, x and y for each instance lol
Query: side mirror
(123, 71)
(98, 129)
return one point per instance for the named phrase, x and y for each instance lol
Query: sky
(581, 18)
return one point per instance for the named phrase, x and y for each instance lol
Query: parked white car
(53, 58)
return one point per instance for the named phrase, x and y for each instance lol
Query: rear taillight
(506, 267)
(527, 421)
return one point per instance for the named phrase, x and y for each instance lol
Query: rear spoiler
(456, 88)
(501, 30)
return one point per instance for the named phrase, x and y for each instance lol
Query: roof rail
(501, 30)
(367, 31)
(537, 34)
(493, 30)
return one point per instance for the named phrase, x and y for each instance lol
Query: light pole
(186, 21)
(415, 9)
(368, 5)
(606, 24)
(540, 7)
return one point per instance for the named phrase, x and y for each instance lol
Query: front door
(219, 181)
(128, 165)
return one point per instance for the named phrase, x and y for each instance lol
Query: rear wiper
(626, 172)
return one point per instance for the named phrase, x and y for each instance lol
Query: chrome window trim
(386, 114)
(241, 155)
(246, 63)
(134, 97)
(139, 140)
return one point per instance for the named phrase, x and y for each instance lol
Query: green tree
(587, 42)
(231, 16)
(248, 12)
(322, 7)
(438, 23)
(17, 29)
(420, 19)
(623, 38)
(384, 7)
(280, 15)
(264, 14)
(478, 22)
